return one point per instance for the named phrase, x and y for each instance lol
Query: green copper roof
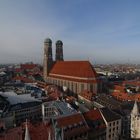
(59, 42)
(47, 40)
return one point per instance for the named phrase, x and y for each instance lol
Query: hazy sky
(103, 31)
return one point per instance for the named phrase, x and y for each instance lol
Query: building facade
(56, 109)
(113, 124)
(135, 122)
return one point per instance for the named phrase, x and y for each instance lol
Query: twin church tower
(48, 57)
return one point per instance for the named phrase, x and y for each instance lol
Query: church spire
(27, 135)
(135, 110)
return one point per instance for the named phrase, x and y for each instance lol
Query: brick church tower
(59, 51)
(48, 60)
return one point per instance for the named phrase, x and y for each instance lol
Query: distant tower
(135, 122)
(59, 51)
(48, 60)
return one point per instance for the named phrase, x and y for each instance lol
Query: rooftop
(70, 120)
(13, 98)
(39, 131)
(109, 115)
(28, 66)
(61, 108)
(81, 70)
(93, 114)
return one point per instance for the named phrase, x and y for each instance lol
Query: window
(76, 87)
(72, 86)
(58, 83)
(68, 84)
(113, 123)
(91, 87)
(82, 87)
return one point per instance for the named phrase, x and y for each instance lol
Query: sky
(102, 31)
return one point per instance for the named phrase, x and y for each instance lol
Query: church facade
(75, 76)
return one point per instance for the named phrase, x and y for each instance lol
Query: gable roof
(73, 70)
(95, 120)
(70, 120)
(75, 124)
(109, 115)
(93, 114)
(40, 131)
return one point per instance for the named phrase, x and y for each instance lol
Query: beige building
(74, 76)
(113, 124)
(135, 122)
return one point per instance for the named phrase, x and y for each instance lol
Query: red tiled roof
(132, 82)
(18, 70)
(119, 88)
(70, 120)
(87, 95)
(41, 84)
(12, 133)
(75, 131)
(54, 95)
(81, 69)
(40, 131)
(93, 115)
(23, 79)
(28, 66)
(120, 94)
(126, 96)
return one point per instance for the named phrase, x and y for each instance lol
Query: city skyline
(101, 31)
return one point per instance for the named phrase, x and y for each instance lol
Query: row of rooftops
(119, 91)
(61, 108)
(80, 71)
(14, 102)
(13, 98)
(69, 68)
(92, 119)
(92, 114)
(72, 119)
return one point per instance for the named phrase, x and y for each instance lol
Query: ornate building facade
(135, 122)
(74, 76)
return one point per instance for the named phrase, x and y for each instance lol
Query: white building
(113, 124)
(56, 109)
(21, 107)
(135, 122)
